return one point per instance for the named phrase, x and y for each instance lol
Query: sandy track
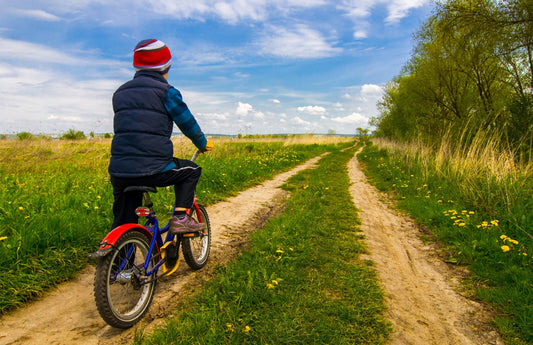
(421, 291)
(68, 315)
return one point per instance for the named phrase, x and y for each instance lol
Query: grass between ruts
(55, 201)
(301, 280)
(482, 216)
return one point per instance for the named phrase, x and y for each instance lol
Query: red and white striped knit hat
(153, 55)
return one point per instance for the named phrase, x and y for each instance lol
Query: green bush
(25, 136)
(74, 135)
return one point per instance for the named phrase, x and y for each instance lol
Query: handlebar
(195, 155)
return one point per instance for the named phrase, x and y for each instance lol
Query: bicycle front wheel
(122, 291)
(196, 249)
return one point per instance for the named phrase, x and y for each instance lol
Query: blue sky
(243, 66)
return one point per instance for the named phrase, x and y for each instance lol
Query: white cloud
(230, 11)
(17, 51)
(354, 118)
(360, 34)
(299, 42)
(37, 14)
(371, 91)
(398, 9)
(312, 110)
(277, 101)
(360, 10)
(297, 120)
(243, 109)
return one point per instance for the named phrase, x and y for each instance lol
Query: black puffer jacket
(141, 145)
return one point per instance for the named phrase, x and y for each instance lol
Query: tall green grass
(301, 280)
(478, 201)
(55, 201)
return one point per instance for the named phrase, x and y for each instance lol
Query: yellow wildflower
(279, 251)
(21, 208)
(270, 286)
(3, 238)
(505, 248)
(246, 329)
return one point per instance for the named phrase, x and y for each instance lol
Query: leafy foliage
(471, 70)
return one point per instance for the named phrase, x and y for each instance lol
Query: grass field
(55, 200)
(478, 202)
(301, 281)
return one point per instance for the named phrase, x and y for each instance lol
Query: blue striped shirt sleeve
(183, 118)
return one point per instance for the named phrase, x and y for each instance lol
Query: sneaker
(185, 225)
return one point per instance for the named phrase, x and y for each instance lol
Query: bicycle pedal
(171, 257)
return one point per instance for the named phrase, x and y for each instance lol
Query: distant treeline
(471, 70)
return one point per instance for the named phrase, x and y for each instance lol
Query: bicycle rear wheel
(122, 294)
(196, 249)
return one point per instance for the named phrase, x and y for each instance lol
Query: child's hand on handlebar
(208, 147)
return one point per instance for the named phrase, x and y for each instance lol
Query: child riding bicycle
(146, 108)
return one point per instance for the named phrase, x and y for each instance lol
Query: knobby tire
(196, 249)
(120, 299)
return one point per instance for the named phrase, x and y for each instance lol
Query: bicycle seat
(144, 189)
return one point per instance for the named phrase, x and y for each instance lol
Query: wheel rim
(199, 246)
(126, 299)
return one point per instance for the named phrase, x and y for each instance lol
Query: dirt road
(420, 291)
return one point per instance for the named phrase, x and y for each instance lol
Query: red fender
(111, 239)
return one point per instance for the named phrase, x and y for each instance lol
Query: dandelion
(21, 208)
(505, 248)
(96, 207)
(270, 286)
(246, 329)
(495, 222)
(275, 282)
(279, 251)
(3, 238)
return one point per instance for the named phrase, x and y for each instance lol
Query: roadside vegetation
(456, 147)
(55, 200)
(477, 202)
(301, 280)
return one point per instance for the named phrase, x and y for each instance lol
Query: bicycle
(130, 256)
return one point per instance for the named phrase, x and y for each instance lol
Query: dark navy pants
(183, 177)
